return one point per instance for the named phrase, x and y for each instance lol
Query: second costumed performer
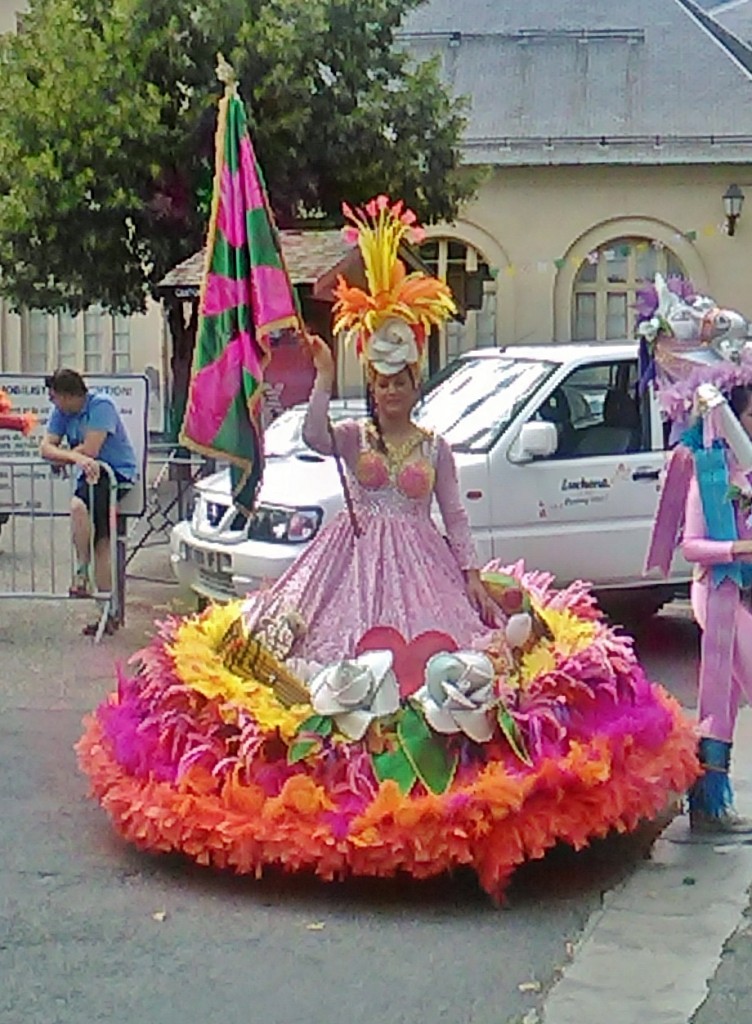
(387, 705)
(701, 366)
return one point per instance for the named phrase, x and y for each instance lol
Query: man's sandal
(81, 586)
(110, 627)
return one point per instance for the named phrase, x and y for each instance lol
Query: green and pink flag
(246, 295)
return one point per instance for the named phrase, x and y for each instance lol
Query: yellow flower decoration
(571, 634)
(199, 665)
(537, 662)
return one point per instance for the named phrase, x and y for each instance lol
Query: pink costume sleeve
(696, 546)
(316, 429)
(452, 512)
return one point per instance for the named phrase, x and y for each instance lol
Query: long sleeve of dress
(696, 545)
(452, 511)
(316, 429)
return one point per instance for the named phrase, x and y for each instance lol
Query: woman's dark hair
(739, 397)
(372, 411)
(66, 382)
(374, 417)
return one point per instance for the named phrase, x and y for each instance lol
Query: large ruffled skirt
(188, 756)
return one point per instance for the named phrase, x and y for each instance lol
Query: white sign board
(27, 393)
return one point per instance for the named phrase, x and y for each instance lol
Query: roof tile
(308, 255)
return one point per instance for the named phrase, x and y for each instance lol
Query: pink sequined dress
(401, 571)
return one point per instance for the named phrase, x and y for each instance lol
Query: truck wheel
(634, 609)
(202, 603)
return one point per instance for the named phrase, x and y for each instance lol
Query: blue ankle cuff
(712, 794)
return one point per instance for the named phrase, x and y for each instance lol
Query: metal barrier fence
(172, 473)
(37, 561)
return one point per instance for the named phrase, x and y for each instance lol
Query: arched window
(469, 276)
(606, 286)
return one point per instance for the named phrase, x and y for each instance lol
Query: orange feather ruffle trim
(491, 825)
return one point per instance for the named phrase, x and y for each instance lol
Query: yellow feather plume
(418, 299)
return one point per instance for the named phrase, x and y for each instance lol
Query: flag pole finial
(226, 75)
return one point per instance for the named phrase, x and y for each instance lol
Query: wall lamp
(733, 200)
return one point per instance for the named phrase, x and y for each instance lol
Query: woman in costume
(383, 560)
(703, 374)
(359, 717)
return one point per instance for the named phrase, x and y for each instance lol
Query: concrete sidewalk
(653, 950)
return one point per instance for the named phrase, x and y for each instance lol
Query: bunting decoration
(246, 296)
(605, 254)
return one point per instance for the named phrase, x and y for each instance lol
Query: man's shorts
(101, 494)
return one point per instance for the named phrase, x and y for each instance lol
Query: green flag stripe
(229, 260)
(217, 332)
(236, 128)
(262, 242)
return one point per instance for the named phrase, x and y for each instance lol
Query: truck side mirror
(536, 440)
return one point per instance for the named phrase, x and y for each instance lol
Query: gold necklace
(396, 454)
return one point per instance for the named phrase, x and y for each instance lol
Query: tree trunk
(182, 320)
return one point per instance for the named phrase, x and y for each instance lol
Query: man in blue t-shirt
(94, 431)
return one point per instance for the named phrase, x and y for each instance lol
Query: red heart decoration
(410, 659)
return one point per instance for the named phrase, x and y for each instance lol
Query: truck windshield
(284, 435)
(473, 400)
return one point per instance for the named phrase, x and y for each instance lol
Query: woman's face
(395, 395)
(745, 417)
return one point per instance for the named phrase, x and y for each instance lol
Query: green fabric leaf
(321, 724)
(426, 751)
(300, 750)
(513, 736)
(395, 765)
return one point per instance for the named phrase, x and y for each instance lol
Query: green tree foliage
(107, 118)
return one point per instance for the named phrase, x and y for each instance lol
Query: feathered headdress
(393, 318)
(695, 354)
(686, 340)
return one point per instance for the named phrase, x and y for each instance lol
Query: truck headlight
(285, 525)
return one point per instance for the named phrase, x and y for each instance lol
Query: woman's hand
(480, 599)
(323, 361)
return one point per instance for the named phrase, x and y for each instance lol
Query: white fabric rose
(356, 692)
(458, 694)
(392, 347)
(649, 329)
(519, 629)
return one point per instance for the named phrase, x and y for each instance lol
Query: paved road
(92, 931)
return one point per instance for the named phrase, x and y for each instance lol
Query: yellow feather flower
(199, 665)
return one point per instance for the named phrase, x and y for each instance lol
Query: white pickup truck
(560, 463)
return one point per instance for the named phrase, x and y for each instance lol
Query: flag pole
(343, 481)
